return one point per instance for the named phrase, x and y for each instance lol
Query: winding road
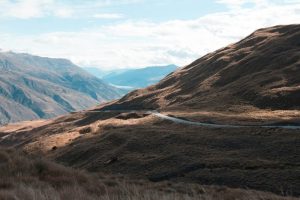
(211, 125)
(202, 124)
(187, 122)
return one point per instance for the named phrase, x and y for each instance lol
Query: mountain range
(96, 71)
(134, 78)
(33, 87)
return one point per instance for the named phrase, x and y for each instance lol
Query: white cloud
(64, 12)
(108, 16)
(25, 9)
(236, 4)
(143, 43)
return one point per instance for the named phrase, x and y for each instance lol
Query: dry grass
(23, 126)
(158, 150)
(23, 177)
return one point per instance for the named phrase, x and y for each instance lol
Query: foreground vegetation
(31, 178)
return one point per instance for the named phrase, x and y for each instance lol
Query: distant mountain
(261, 71)
(134, 78)
(97, 72)
(33, 87)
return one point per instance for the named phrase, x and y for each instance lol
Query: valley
(228, 123)
(136, 78)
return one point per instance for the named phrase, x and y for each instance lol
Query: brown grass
(265, 159)
(23, 177)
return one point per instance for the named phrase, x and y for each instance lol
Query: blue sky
(85, 15)
(113, 34)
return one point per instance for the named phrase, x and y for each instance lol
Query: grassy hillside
(261, 71)
(26, 177)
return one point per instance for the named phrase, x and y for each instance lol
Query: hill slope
(139, 78)
(260, 71)
(33, 87)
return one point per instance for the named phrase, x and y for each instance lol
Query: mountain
(33, 87)
(138, 78)
(261, 71)
(97, 72)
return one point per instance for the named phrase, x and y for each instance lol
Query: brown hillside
(261, 70)
(143, 146)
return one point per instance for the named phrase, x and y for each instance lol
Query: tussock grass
(25, 177)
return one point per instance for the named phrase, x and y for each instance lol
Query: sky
(113, 34)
